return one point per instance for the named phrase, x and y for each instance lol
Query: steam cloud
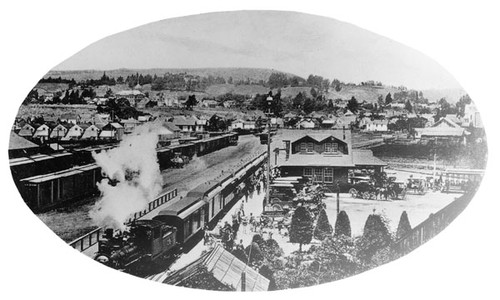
(133, 178)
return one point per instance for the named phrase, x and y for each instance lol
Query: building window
(335, 147)
(308, 172)
(303, 147)
(310, 147)
(328, 175)
(328, 147)
(318, 174)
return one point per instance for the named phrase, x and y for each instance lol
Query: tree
(342, 225)
(353, 105)
(301, 228)
(404, 226)
(408, 106)
(323, 228)
(191, 101)
(388, 98)
(376, 237)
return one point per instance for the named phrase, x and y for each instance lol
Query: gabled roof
(446, 121)
(171, 126)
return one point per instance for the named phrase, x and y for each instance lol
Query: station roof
(225, 267)
(366, 158)
(17, 142)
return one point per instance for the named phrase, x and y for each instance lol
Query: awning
(192, 209)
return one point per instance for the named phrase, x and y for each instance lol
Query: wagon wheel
(366, 195)
(353, 192)
(274, 200)
(277, 207)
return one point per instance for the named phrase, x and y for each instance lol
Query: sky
(297, 43)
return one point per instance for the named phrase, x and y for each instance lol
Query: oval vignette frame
(332, 224)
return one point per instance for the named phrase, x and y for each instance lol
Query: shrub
(404, 226)
(342, 225)
(323, 227)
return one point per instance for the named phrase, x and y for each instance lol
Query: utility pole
(269, 101)
(338, 197)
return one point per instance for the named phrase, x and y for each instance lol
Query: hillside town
(349, 154)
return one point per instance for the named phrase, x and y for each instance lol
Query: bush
(376, 237)
(404, 226)
(323, 227)
(301, 228)
(342, 225)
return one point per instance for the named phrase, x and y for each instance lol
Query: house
(243, 125)
(133, 96)
(172, 128)
(27, 131)
(113, 131)
(472, 118)
(328, 123)
(91, 132)
(225, 271)
(42, 132)
(144, 118)
(59, 131)
(209, 103)
(101, 119)
(70, 118)
(377, 125)
(144, 102)
(129, 125)
(185, 124)
(324, 156)
(444, 131)
(171, 101)
(306, 124)
(74, 132)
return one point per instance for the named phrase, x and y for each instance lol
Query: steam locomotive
(144, 242)
(178, 225)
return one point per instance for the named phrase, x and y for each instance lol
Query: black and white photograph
(252, 149)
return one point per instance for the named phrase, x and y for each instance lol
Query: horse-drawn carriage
(416, 186)
(394, 190)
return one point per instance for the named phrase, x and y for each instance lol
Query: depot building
(323, 156)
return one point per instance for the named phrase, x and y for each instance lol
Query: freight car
(178, 226)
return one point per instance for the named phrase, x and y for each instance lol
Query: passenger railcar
(202, 206)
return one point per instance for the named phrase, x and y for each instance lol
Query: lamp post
(269, 102)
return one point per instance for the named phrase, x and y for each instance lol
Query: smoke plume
(132, 180)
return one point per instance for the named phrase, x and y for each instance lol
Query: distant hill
(254, 74)
(451, 95)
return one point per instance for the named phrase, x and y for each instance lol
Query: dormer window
(310, 147)
(303, 147)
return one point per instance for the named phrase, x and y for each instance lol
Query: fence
(88, 240)
(432, 225)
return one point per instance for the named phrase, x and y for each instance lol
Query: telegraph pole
(269, 101)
